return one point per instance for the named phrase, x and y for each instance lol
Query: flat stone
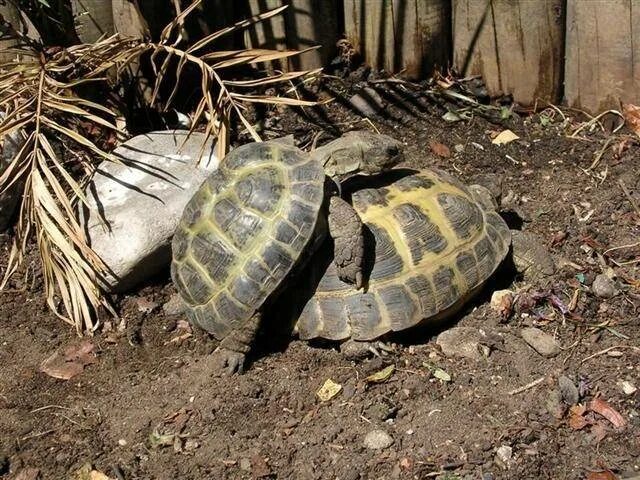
(378, 440)
(541, 342)
(604, 287)
(462, 342)
(135, 206)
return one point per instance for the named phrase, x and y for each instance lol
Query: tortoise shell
(243, 231)
(435, 245)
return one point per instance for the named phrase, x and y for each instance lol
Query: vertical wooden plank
(92, 19)
(304, 24)
(602, 46)
(128, 20)
(517, 47)
(408, 36)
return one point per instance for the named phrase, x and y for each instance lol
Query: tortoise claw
(229, 362)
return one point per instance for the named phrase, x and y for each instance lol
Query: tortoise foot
(229, 362)
(357, 350)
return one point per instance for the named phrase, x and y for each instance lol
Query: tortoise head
(359, 152)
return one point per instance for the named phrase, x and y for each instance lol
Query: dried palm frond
(40, 101)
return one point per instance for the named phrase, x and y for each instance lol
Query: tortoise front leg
(345, 227)
(233, 349)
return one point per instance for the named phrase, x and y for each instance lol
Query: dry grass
(40, 100)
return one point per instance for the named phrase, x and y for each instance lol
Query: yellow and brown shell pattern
(243, 231)
(435, 245)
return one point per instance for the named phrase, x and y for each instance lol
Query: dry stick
(602, 352)
(600, 154)
(628, 195)
(527, 386)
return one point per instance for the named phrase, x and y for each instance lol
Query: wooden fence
(582, 52)
(577, 51)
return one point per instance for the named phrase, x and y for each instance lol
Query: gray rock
(464, 342)
(11, 145)
(568, 390)
(134, 207)
(541, 342)
(367, 102)
(504, 454)
(174, 306)
(604, 287)
(378, 440)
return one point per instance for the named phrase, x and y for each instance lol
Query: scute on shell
(243, 231)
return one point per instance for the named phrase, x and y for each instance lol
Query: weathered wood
(602, 45)
(128, 20)
(92, 19)
(408, 36)
(19, 21)
(306, 23)
(517, 46)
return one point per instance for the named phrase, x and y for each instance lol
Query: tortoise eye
(392, 151)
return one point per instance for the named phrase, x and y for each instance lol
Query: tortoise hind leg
(345, 227)
(233, 350)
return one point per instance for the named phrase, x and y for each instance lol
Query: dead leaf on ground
(504, 137)
(259, 467)
(328, 390)
(604, 475)
(70, 363)
(439, 149)
(28, 474)
(381, 376)
(601, 407)
(631, 115)
(577, 422)
(599, 432)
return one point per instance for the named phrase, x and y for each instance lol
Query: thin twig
(602, 352)
(600, 154)
(628, 195)
(526, 387)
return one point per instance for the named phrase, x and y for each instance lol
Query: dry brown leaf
(382, 375)
(504, 137)
(577, 422)
(28, 474)
(328, 390)
(439, 149)
(259, 467)
(604, 475)
(601, 407)
(70, 363)
(631, 115)
(599, 431)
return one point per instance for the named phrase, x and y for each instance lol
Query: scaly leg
(345, 227)
(233, 349)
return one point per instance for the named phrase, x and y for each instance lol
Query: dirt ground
(151, 407)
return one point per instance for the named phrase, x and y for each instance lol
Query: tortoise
(260, 214)
(436, 243)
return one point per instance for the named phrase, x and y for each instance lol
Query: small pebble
(245, 464)
(541, 342)
(122, 442)
(627, 387)
(503, 456)
(378, 440)
(604, 287)
(502, 302)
